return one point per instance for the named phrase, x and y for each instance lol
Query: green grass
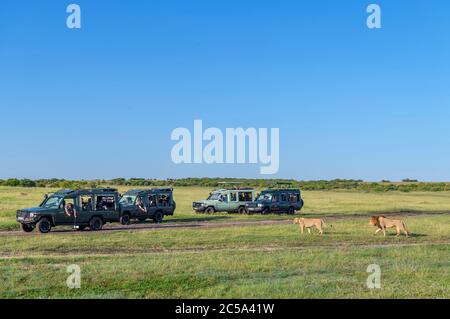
(407, 272)
(343, 232)
(316, 203)
(235, 262)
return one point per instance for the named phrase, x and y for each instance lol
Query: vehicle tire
(242, 210)
(158, 217)
(44, 225)
(291, 211)
(210, 210)
(28, 228)
(96, 224)
(142, 219)
(125, 219)
(266, 211)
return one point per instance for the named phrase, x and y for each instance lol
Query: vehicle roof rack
(162, 189)
(281, 186)
(282, 190)
(105, 189)
(235, 187)
(64, 191)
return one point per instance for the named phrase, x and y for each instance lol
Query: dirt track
(214, 224)
(192, 250)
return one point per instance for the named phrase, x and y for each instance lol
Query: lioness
(308, 223)
(382, 223)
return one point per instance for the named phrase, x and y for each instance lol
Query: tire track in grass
(199, 250)
(205, 225)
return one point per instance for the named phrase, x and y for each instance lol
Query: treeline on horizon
(407, 185)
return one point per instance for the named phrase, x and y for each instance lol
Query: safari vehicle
(156, 203)
(94, 208)
(277, 201)
(230, 200)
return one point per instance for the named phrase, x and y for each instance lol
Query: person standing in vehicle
(140, 205)
(70, 210)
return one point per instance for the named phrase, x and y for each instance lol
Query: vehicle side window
(275, 198)
(67, 200)
(245, 197)
(86, 203)
(105, 202)
(283, 197)
(163, 200)
(152, 200)
(293, 198)
(233, 196)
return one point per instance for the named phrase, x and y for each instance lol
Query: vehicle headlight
(32, 215)
(260, 205)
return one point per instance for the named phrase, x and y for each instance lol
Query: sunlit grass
(316, 203)
(234, 262)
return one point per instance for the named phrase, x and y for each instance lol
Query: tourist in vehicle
(87, 204)
(70, 210)
(140, 205)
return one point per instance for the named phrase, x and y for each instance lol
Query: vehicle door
(163, 202)
(233, 203)
(168, 209)
(284, 204)
(136, 212)
(223, 204)
(85, 208)
(60, 217)
(275, 203)
(152, 204)
(245, 197)
(294, 200)
(106, 207)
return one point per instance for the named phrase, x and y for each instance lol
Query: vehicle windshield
(265, 197)
(128, 199)
(214, 196)
(52, 202)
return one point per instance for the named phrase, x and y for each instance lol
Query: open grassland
(271, 261)
(318, 203)
(236, 262)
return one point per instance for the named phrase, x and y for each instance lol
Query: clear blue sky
(350, 102)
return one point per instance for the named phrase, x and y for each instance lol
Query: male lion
(382, 223)
(308, 223)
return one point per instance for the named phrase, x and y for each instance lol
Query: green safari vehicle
(94, 208)
(156, 203)
(230, 200)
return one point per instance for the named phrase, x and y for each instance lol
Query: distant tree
(408, 180)
(27, 183)
(13, 182)
(409, 185)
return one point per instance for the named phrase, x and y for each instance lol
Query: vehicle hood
(36, 210)
(205, 201)
(255, 203)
